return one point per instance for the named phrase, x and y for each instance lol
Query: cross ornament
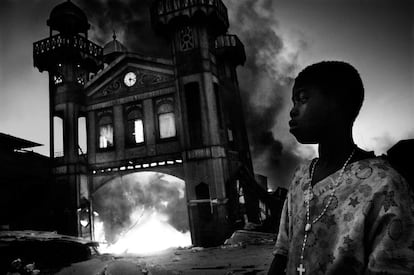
(301, 270)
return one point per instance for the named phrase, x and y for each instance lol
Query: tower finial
(114, 35)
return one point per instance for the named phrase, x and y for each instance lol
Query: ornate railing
(60, 41)
(227, 40)
(229, 45)
(167, 7)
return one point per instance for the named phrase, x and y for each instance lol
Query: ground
(241, 255)
(238, 259)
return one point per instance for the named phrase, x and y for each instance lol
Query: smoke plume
(131, 21)
(265, 84)
(265, 79)
(147, 191)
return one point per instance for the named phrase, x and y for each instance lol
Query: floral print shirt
(367, 229)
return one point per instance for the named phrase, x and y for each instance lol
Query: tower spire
(69, 66)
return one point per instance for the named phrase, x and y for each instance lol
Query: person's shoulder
(382, 166)
(379, 173)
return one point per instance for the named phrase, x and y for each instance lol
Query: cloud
(265, 81)
(266, 78)
(131, 22)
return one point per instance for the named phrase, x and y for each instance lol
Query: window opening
(106, 132)
(82, 135)
(135, 126)
(58, 137)
(166, 120)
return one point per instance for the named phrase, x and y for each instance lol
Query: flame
(150, 233)
(141, 213)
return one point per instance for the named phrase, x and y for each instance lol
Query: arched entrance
(141, 212)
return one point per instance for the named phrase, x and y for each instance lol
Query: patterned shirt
(367, 229)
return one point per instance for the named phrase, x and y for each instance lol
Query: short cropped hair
(337, 79)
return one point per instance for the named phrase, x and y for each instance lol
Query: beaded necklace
(308, 197)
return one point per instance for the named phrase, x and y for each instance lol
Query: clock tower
(69, 58)
(179, 115)
(215, 140)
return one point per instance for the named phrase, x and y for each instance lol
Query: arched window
(166, 119)
(58, 136)
(106, 131)
(135, 126)
(82, 136)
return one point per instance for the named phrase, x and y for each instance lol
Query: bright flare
(150, 233)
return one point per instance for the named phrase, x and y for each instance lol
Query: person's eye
(303, 99)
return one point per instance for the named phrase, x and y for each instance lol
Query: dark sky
(281, 37)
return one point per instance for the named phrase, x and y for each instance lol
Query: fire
(151, 233)
(141, 213)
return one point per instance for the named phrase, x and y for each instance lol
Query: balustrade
(59, 41)
(230, 47)
(227, 40)
(167, 7)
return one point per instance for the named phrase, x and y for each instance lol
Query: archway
(141, 213)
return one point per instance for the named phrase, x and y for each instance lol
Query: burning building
(179, 116)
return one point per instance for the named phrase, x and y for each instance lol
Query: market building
(181, 116)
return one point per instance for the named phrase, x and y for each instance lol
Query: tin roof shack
(24, 185)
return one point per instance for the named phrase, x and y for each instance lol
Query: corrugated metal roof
(12, 142)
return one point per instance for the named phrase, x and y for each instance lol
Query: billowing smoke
(130, 19)
(265, 79)
(265, 82)
(116, 200)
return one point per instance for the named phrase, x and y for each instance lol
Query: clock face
(130, 79)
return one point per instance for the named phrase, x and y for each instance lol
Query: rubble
(246, 252)
(245, 237)
(197, 249)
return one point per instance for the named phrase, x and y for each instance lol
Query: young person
(347, 212)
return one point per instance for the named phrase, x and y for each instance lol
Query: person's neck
(335, 150)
